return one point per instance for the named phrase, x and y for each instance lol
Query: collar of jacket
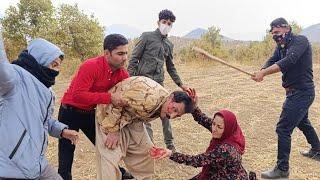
(158, 33)
(288, 41)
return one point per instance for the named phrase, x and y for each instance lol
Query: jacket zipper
(155, 70)
(18, 144)
(44, 140)
(138, 73)
(44, 132)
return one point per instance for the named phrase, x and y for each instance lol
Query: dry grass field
(257, 106)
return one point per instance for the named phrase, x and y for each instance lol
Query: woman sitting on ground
(222, 159)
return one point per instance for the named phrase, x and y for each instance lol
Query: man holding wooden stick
(293, 57)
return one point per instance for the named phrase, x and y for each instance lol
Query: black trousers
(75, 120)
(295, 114)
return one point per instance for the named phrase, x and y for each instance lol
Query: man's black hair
(182, 97)
(167, 14)
(112, 41)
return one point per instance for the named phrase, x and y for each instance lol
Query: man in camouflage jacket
(120, 131)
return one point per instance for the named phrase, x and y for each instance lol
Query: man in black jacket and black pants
(293, 57)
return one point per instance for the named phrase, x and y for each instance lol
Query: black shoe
(274, 173)
(313, 154)
(125, 174)
(252, 175)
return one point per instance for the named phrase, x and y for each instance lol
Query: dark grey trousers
(166, 129)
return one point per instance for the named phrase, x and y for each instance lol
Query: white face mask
(164, 29)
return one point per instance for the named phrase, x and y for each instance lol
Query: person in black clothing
(293, 57)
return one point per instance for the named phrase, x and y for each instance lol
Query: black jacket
(295, 62)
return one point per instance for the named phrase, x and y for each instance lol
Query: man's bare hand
(112, 140)
(72, 135)
(258, 76)
(117, 100)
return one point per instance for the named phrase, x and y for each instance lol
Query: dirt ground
(257, 106)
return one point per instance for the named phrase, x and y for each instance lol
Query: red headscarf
(232, 135)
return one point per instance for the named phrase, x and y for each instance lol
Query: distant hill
(227, 39)
(197, 33)
(180, 42)
(312, 33)
(126, 30)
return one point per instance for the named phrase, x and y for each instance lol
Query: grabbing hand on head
(186, 89)
(194, 97)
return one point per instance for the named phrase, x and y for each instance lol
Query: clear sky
(237, 19)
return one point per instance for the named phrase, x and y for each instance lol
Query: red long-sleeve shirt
(90, 84)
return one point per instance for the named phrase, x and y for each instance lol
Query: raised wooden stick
(201, 51)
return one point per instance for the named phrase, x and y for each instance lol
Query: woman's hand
(159, 153)
(194, 97)
(186, 89)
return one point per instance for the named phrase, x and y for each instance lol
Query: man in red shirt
(88, 88)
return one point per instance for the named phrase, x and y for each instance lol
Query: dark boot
(252, 175)
(312, 153)
(274, 173)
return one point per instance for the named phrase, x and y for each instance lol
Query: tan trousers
(133, 149)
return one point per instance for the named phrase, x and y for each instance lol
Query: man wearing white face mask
(148, 57)
(164, 27)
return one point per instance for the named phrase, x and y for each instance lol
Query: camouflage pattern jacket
(145, 98)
